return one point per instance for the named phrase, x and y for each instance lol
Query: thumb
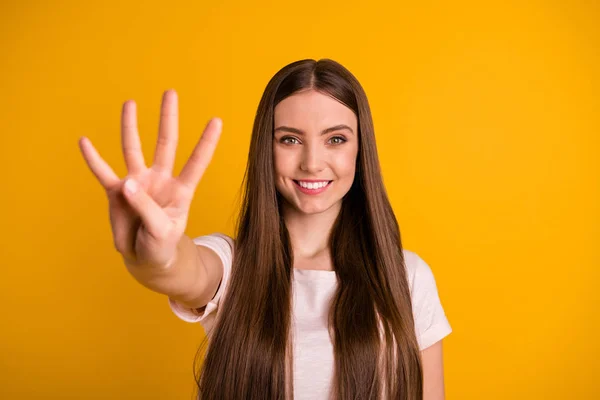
(153, 217)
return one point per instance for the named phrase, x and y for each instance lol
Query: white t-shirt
(312, 293)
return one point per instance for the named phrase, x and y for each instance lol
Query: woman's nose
(312, 159)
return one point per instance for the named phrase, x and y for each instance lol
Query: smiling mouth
(312, 190)
(324, 180)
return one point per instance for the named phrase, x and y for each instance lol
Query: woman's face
(315, 141)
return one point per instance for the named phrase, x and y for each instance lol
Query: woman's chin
(309, 206)
(314, 208)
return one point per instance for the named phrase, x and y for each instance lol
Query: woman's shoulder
(218, 239)
(411, 260)
(416, 268)
(228, 238)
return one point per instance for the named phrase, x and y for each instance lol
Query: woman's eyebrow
(324, 132)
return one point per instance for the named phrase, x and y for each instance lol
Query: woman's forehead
(312, 110)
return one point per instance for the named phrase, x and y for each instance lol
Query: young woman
(315, 298)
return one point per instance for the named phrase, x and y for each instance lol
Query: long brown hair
(371, 321)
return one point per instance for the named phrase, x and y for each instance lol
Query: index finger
(194, 168)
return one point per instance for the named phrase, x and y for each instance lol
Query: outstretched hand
(149, 208)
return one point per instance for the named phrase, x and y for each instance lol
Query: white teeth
(316, 185)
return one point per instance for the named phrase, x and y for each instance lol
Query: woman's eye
(285, 139)
(340, 139)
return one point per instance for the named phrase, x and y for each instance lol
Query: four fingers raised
(166, 145)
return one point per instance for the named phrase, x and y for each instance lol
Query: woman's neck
(309, 233)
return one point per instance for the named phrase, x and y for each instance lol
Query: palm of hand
(170, 196)
(148, 224)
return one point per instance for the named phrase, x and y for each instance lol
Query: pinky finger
(103, 172)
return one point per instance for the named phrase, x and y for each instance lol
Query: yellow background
(487, 123)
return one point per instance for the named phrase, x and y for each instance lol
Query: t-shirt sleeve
(431, 323)
(223, 246)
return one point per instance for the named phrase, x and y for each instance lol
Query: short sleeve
(431, 323)
(222, 245)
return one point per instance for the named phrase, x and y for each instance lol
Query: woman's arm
(433, 372)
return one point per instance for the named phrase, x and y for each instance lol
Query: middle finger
(166, 145)
(130, 139)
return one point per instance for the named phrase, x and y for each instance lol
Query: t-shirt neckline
(319, 274)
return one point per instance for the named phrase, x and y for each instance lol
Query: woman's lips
(312, 191)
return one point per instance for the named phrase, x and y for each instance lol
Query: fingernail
(131, 186)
